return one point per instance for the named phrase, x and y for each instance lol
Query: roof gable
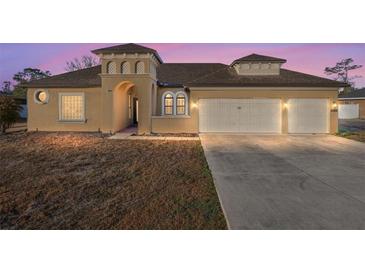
(259, 58)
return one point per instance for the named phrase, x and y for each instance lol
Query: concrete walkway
(288, 182)
(124, 134)
(129, 133)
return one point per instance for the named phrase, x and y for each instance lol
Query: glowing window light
(72, 107)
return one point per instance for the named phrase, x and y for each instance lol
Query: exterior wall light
(194, 105)
(334, 106)
(285, 105)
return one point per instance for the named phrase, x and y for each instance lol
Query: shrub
(9, 112)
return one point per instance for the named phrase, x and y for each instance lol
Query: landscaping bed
(357, 136)
(84, 181)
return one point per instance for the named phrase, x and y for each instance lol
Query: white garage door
(348, 111)
(308, 115)
(240, 115)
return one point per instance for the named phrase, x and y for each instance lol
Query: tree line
(16, 89)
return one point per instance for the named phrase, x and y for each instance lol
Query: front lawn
(83, 181)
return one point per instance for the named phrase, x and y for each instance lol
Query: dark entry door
(135, 111)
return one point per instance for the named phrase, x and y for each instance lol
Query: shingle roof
(220, 75)
(194, 75)
(88, 77)
(258, 58)
(353, 94)
(127, 48)
(182, 73)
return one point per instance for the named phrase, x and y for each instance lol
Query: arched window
(125, 68)
(111, 68)
(168, 104)
(181, 104)
(139, 67)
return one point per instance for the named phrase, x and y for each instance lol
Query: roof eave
(61, 86)
(102, 51)
(257, 61)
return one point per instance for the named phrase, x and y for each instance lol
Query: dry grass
(357, 136)
(81, 181)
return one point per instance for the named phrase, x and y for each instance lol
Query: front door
(135, 111)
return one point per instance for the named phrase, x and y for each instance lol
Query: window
(180, 104)
(168, 104)
(174, 103)
(139, 67)
(125, 68)
(41, 96)
(71, 107)
(111, 68)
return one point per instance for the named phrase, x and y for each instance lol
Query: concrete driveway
(288, 182)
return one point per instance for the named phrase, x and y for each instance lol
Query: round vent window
(41, 96)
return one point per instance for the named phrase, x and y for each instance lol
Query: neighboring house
(23, 103)
(352, 105)
(133, 86)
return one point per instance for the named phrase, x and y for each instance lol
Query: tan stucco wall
(361, 104)
(192, 124)
(169, 124)
(107, 108)
(142, 89)
(45, 117)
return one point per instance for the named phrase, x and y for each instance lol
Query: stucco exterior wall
(45, 117)
(106, 108)
(191, 124)
(172, 124)
(142, 89)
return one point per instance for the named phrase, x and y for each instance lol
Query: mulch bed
(85, 181)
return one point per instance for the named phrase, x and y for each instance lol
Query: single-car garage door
(240, 115)
(308, 115)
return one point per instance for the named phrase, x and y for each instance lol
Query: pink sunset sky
(308, 58)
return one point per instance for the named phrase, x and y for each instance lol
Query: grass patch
(83, 181)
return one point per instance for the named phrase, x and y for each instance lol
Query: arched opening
(111, 68)
(123, 108)
(139, 67)
(125, 68)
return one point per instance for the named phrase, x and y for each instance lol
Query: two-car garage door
(263, 115)
(240, 115)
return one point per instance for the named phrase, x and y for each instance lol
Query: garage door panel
(308, 116)
(240, 115)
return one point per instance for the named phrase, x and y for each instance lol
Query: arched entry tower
(127, 74)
